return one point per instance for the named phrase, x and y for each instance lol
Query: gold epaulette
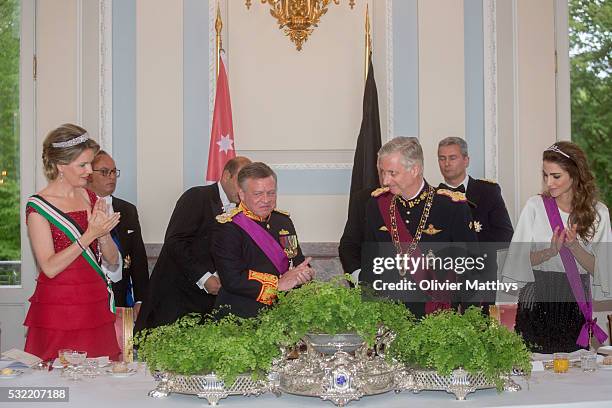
(379, 191)
(488, 181)
(282, 212)
(227, 217)
(456, 196)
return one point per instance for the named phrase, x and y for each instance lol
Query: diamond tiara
(72, 142)
(555, 148)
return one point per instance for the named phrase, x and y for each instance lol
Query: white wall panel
(441, 76)
(56, 86)
(316, 218)
(536, 90)
(159, 90)
(289, 100)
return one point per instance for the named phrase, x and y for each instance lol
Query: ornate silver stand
(208, 386)
(337, 368)
(459, 382)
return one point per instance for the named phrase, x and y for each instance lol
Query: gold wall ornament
(298, 18)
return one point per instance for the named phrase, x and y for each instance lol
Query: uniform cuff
(269, 286)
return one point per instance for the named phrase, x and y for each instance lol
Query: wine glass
(75, 359)
(290, 246)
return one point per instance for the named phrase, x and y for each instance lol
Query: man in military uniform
(409, 213)
(490, 216)
(184, 279)
(255, 246)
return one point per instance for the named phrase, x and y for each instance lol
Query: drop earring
(61, 176)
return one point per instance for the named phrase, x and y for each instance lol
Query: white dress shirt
(114, 272)
(227, 205)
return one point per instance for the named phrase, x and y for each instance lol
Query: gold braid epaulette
(488, 181)
(227, 217)
(456, 196)
(282, 212)
(379, 191)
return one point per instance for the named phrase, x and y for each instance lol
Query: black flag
(365, 174)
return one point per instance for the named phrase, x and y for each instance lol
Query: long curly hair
(584, 189)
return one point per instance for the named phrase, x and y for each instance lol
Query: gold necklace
(419, 231)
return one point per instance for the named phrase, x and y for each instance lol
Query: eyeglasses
(107, 172)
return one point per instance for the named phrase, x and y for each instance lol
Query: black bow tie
(459, 188)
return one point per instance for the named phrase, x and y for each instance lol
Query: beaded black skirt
(548, 317)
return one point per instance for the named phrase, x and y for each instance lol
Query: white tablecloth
(575, 389)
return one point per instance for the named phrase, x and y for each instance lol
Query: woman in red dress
(69, 232)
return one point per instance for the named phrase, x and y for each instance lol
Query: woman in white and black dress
(548, 316)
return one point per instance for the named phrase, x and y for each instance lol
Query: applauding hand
(296, 276)
(571, 238)
(99, 221)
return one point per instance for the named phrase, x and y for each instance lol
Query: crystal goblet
(75, 359)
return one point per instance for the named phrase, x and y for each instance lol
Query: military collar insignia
(456, 196)
(415, 201)
(283, 232)
(227, 217)
(431, 230)
(477, 226)
(252, 215)
(379, 191)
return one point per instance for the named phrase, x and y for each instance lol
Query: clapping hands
(100, 222)
(567, 238)
(296, 276)
(571, 238)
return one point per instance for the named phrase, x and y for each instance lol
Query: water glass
(75, 359)
(588, 361)
(91, 368)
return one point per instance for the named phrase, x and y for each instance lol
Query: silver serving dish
(209, 386)
(338, 368)
(330, 343)
(459, 382)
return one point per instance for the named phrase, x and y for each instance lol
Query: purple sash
(573, 276)
(264, 241)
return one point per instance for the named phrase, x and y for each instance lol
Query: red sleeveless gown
(71, 310)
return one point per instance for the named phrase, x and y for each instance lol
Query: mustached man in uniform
(406, 214)
(255, 247)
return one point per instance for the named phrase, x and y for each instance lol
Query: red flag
(222, 135)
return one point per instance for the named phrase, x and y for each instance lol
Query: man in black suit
(491, 220)
(184, 279)
(254, 247)
(353, 236)
(131, 290)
